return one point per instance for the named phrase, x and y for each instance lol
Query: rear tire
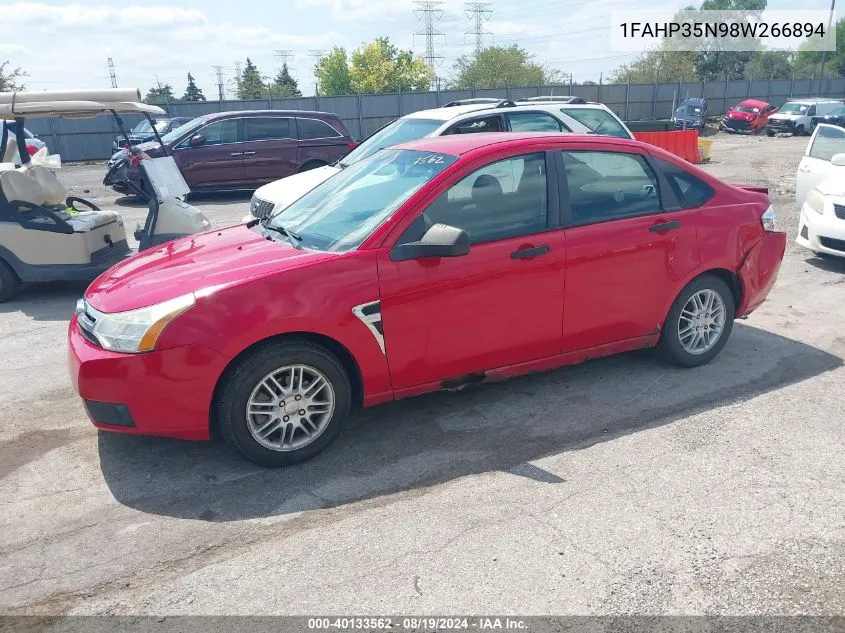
(264, 392)
(687, 336)
(769, 133)
(312, 164)
(10, 283)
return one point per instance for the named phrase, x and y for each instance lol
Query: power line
(430, 12)
(112, 74)
(478, 12)
(283, 54)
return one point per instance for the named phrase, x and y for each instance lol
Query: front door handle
(248, 153)
(236, 154)
(664, 226)
(534, 251)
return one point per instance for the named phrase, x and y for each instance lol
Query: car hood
(152, 149)
(286, 191)
(780, 116)
(213, 259)
(745, 116)
(833, 186)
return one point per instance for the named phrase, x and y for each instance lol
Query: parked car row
(797, 116)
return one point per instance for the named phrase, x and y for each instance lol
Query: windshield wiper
(293, 237)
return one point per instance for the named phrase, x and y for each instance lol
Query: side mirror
(196, 140)
(441, 240)
(838, 160)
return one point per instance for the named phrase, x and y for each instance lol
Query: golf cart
(46, 235)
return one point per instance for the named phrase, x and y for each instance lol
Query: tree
(769, 65)
(808, 62)
(380, 67)
(10, 79)
(192, 92)
(284, 85)
(250, 84)
(162, 93)
(656, 66)
(332, 73)
(498, 67)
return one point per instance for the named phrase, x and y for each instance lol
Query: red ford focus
(430, 265)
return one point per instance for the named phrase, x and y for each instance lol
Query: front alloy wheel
(283, 402)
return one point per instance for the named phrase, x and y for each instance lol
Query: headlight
(815, 201)
(134, 331)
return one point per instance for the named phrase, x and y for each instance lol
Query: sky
(67, 45)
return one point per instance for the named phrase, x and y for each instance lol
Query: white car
(457, 117)
(820, 190)
(796, 115)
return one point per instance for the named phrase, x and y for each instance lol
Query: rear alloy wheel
(10, 283)
(699, 323)
(284, 403)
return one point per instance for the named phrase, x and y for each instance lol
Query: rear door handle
(534, 251)
(664, 226)
(236, 154)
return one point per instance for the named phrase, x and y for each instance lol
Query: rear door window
(828, 140)
(690, 191)
(484, 124)
(310, 129)
(597, 120)
(268, 128)
(535, 122)
(609, 185)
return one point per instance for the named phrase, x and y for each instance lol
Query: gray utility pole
(824, 53)
(112, 74)
(478, 12)
(221, 92)
(430, 12)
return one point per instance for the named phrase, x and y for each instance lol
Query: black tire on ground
(770, 133)
(231, 402)
(312, 164)
(10, 283)
(799, 131)
(670, 346)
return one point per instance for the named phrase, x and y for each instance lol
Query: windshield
(144, 127)
(342, 212)
(399, 131)
(793, 108)
(749, 109)
(689, 110)
(174, 135)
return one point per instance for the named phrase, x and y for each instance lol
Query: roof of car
(453, 112)
(754, 103)
(463, 143)
(241, 113)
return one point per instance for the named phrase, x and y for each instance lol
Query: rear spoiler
(755, 188)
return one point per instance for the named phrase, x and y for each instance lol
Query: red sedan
(747, 117)
(431, 265)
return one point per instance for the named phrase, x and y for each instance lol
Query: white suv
(545, 114)
(796, 116)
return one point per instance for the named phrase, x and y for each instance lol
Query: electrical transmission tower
(478, 12)
(112, 74)
(430, 12)
(221, 91)
(283, 54)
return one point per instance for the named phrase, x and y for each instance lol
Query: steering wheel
(113, 170)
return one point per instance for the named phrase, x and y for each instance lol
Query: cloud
(40, 15)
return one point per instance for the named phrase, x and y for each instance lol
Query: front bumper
(166, 393)
(821, 233)
(781, 127)
(759, 271)
(739, 126)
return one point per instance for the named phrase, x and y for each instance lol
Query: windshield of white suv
(597, 120)
(793, 108)
(339, 214)
(400, 131)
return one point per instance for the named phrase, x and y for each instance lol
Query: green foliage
(808, 63)
(250, 84)
(284, 85)
(10, 80)
(192, 92)
(163, 93)
(657, 66)
(499, 67)
(769, 65)
(379, 67)
(332, 73)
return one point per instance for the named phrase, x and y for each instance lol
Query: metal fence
(90, 139)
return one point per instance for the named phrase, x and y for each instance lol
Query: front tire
(284, 403)
(770, 133)
(699, 323)
(10, 283)
(799, 131)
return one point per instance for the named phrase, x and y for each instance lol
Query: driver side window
(501, 200)
(220, 132)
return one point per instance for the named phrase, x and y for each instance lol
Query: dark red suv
(246, 149)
